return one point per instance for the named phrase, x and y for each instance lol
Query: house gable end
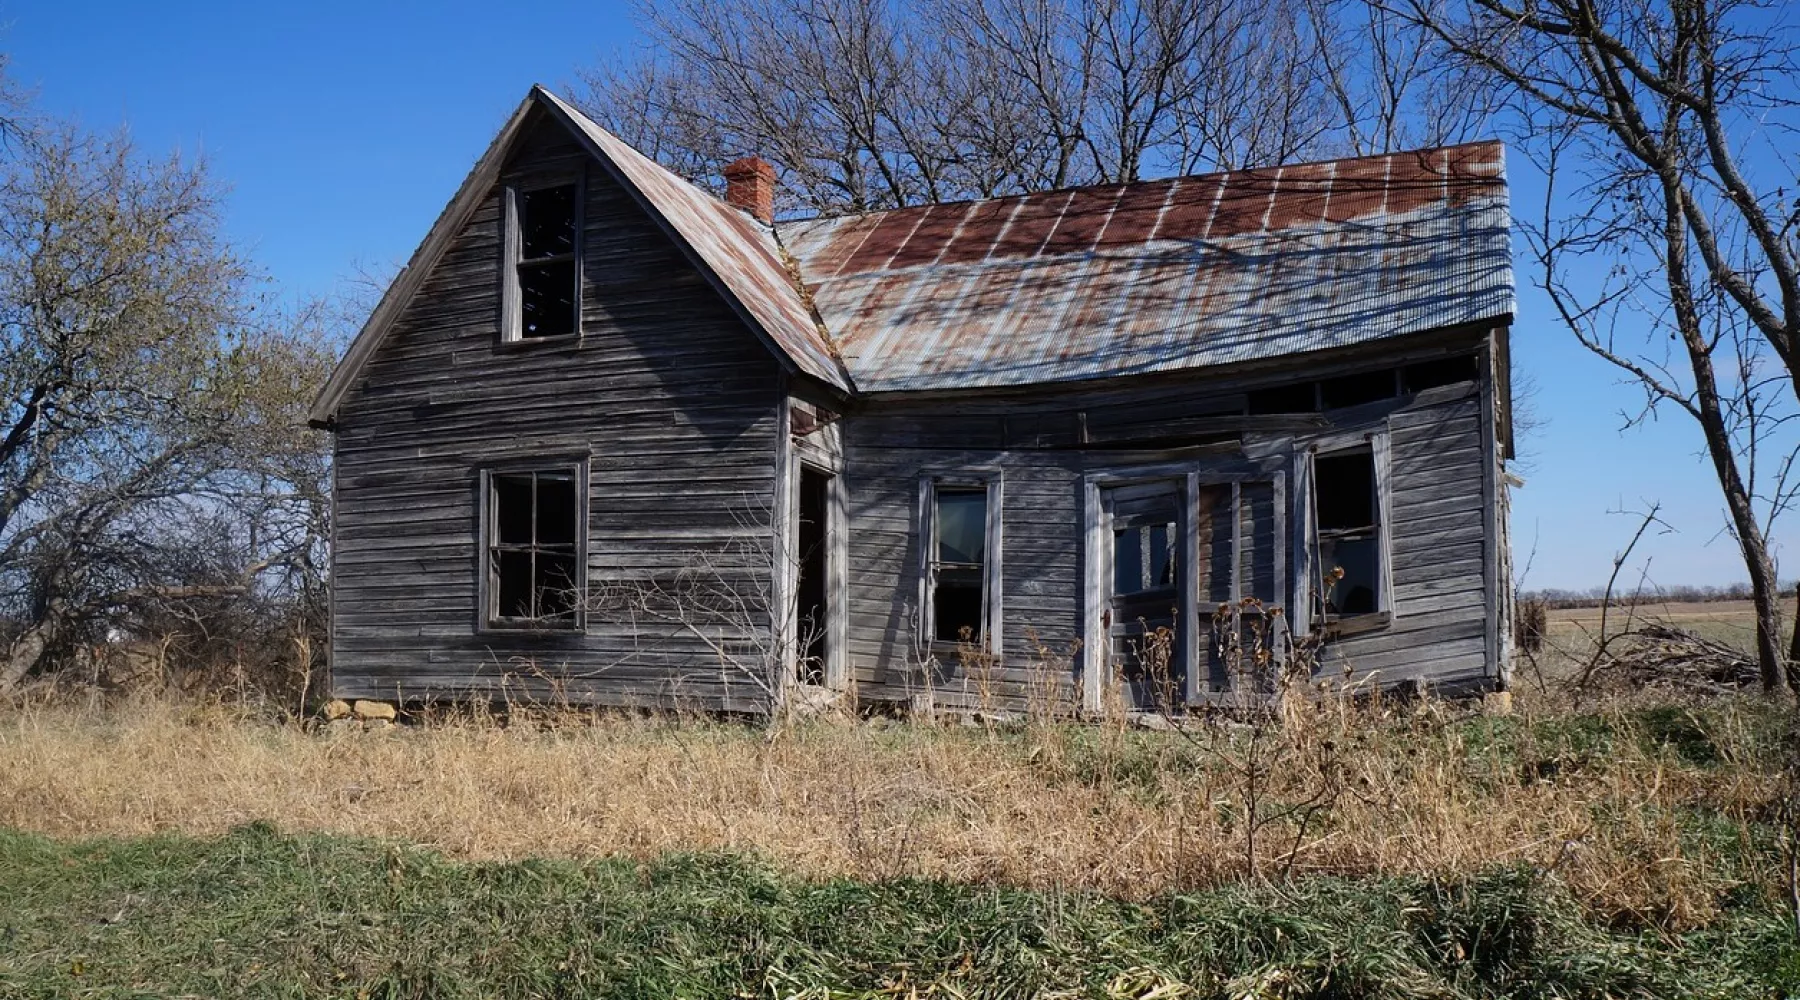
(542, 131)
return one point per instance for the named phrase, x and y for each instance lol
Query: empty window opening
(1447, 371)
(548, 282)
(812, 600)
(1354, 390)
(533, 571)
(1145, 558)
(1297, 397)
(1349, 525)
(959, 564)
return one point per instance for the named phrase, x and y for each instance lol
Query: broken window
(547, 288)
(958, 570)
(534, 573)
(1144, 558)
(1362, 387)
(1447, 371)
(1295, 397)
(1347, 510)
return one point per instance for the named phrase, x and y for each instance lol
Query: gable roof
(741, 254)
(1163, 275)
(1079, 283)
(741, 261)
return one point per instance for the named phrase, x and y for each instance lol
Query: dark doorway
(811, 608)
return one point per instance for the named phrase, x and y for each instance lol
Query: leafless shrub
(1530, 623)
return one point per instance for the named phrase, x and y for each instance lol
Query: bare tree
(870, 104)
(1667, 237)
(142, 395)
(1389, 86)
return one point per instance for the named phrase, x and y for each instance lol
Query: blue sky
(341, 129)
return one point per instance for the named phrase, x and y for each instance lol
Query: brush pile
(1672, 658)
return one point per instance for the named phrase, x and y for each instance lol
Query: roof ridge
(1170, 179)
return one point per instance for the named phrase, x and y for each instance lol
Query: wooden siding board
(1437, 508)
(667, 391)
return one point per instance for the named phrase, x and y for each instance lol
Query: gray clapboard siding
(1440, 556)
(1439, 552)
(675, 402)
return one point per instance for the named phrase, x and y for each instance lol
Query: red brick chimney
(750, 185)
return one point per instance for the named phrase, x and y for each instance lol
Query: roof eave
(406, 284)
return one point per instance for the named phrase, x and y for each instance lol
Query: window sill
(1343, 628)
(954, 651)
(527, 628)
(527, 343)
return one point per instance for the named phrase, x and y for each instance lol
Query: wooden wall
(1044, 443)
(674, 401)
(682, 415)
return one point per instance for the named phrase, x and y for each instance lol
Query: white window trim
(486, 594)
(993, 616)
(511, 297)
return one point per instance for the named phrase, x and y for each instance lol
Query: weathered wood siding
(1440, 558)
(1044, 443)
(676, 404)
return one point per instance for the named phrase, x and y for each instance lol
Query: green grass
(259, 913)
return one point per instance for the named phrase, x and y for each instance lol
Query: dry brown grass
(1125, 812)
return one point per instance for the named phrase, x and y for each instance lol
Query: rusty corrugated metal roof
(1163, 275)
(743, 255)
(1073, 284)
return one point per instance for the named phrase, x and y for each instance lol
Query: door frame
(1097, 545)
(1178, 489)
(821, 452)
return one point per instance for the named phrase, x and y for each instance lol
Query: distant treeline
(1593, 597)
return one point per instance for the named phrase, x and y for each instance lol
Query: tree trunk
(1708, 410)
(1793, 659)
(24, 654)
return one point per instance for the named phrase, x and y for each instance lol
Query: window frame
(1376, 445)
(512, 302)
(487, 620)
(990, 641)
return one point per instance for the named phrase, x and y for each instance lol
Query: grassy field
(257, 913)
(1631, 844)
(1726, 621)
(1631, 849)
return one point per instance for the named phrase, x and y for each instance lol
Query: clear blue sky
(341, 130)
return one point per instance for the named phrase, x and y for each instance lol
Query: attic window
(1362, 387)
(1449, 371)
(544, 274)
(1295, 397)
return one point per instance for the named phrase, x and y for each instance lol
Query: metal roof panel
(1163, 275)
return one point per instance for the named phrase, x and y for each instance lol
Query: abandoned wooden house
(612, 439)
